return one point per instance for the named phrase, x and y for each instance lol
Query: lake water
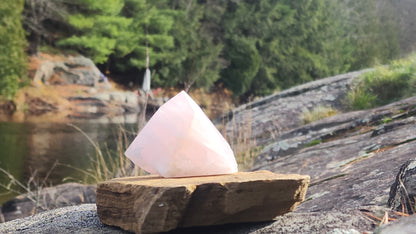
(28, 149)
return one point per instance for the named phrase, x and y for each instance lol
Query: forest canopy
(250, 47)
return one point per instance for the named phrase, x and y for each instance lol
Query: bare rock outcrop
(73, 70)
(354, 157)
(264, 120)
(84, 219)
(87, 93)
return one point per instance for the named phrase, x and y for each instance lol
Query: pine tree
(298, 41)
(99, 28)
(196, 56)
(151, 21)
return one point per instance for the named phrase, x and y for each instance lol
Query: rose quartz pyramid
(180, 141)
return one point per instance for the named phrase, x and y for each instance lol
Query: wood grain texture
(151, 204)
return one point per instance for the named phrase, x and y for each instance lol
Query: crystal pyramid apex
(180, 140)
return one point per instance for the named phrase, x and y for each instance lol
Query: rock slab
(37, 201)
(150, 204)
(84, 219)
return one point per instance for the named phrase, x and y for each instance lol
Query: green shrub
(360, 99)
(12, 44)
(384, 85)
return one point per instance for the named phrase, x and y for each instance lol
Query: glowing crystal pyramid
(180, 141)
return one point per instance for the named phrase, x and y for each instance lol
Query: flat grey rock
(84, 219)
(405, 225)
(272, 115)
(355, 162)
(71, 219)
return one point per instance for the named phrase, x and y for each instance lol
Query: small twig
(401, 213)
(385, 219)
(49, 173)
(407, 197)
(378, 218)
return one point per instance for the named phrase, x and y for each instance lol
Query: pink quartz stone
(180, 141)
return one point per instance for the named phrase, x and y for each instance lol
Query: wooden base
(150, 204)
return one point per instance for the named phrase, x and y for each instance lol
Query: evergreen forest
(251, 47)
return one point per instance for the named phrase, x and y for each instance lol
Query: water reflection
(34, 148)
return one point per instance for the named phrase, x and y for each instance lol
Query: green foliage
(255, 26)
(386, 120)
(151, 18)
(252, 47)
(12, 43)
(372, 35)
(107, 7)
(195, 58)
(360, 99)
(384, 85)
(99, 28)
(244, 64)
(297, 41)
(312, 143)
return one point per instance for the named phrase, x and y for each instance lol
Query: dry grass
(240, 139)
(32, 187)
(317, 113)
(108, 164)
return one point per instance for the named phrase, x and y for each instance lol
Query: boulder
(46, 199)
(73, 70)
(76, 80)
(155, 204)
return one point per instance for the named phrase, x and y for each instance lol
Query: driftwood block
(155, 204)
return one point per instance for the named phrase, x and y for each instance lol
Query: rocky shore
(361, 165)
(71, 88)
